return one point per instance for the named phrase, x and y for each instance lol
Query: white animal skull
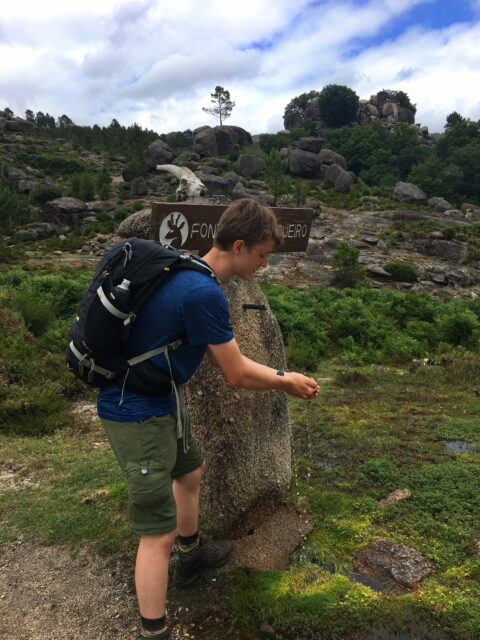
(189, 185)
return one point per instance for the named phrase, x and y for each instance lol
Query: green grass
(373, 430)
(57, 474)
(367, 435)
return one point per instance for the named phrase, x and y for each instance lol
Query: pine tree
(223, 105)
(87, 189)
(64, 121)
(102, 184)
(278, 182)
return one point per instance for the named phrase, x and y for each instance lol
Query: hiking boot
(209, 555)
(166, 634)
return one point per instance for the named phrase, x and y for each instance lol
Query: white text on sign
(207, 230)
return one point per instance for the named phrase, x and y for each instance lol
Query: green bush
(270, 141)
(365, 325)
(9, 254)
(401, 272)
(349, 273)
(31, 381)
(349, 277)
(15, 209)
(338, 105)
(46, 303)
(26, 236)
(449, 233)
(375, 155)
(44, 193)
(120, 214)
(400, 97)
(298, 104)
(52, 163)
(82, 186)
(36, 314)
(459, 327)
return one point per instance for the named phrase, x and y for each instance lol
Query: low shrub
(349, 273)
(31, 381)
(44, 193)
(402, 272)
(449, 233)
(364, 325)
(37, 314)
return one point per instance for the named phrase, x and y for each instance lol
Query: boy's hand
(300, 386)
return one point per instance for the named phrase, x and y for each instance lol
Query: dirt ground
(49, 593)
(53, 593)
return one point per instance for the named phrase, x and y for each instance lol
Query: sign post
(192, 226)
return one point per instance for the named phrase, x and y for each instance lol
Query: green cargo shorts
(151, 456)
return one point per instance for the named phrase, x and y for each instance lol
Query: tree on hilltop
(64, 121)
(401, 98)
(453, 119)
(223, 106)
(338, 105)
(299, 103)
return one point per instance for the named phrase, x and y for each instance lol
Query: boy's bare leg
(186, 491)
(151, 573)
(151, 570)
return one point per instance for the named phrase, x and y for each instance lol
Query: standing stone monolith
(245, 435)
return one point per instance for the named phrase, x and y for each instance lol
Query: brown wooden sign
(192, 226)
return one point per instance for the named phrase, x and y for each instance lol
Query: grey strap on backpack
(154, 352)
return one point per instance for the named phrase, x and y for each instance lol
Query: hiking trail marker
(192, 226)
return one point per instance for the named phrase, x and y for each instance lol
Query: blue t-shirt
(189, 303)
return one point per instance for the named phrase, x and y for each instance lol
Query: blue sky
(156, 62)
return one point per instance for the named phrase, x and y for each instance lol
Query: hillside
(58, 200)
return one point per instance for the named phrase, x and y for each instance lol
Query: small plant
(449, 233)
(349, 273)
(120, 214)
(401, 272)
(138, 205)
(44, 193)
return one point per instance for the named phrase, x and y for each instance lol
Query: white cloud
(444, 71)
(157, 61)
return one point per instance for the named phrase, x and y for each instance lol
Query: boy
(151, 435)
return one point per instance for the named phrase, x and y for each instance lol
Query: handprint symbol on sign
(174, 229)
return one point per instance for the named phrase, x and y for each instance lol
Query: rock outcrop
(158, 152)
(244, 436)
(138, 225)
(377, 107)
(65, 211)
(408, 192)
(304, 162)
(12, 123)
(223, 141)
(250, 166)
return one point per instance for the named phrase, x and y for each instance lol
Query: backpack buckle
(130, 319)
(92, 371)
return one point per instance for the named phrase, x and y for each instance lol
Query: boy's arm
(240, 371)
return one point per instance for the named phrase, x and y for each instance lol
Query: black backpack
(125, 278)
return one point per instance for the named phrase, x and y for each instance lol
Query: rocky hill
(440, 242)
